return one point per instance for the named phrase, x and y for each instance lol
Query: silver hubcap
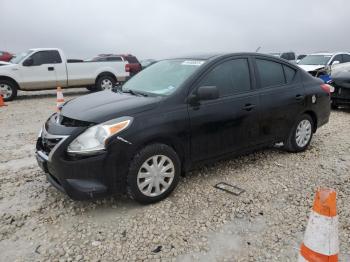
(303, 133)
(5, 90)
(106, 84)
(155, 175)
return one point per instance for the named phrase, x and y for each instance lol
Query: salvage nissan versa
(175, 114)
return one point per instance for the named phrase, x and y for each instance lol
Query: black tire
(144, 154)
(12, 85)
(101, 79)
(291, 142)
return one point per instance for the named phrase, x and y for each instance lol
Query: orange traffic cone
(60, 99)
(321, 236)
(2, 103)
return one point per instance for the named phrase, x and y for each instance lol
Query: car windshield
(315, 60)
(18, 58)
(162, 78)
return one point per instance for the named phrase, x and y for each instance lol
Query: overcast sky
(163, 28)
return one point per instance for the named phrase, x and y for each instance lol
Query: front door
(229, 123)
(41, 73)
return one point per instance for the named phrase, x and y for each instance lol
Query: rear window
(271, 73)
(131, 59)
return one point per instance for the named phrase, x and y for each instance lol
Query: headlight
(94, 139)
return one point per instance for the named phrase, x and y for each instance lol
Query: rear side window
(271, 73)
(289, 73)
(131, 59)
(46, 57)
(231, 77)
(346, 58)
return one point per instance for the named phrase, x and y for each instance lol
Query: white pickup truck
(47, 68)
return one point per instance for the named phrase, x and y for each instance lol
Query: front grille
(47, 144)
(70, 122)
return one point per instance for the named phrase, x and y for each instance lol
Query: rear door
(282, 98)
(229, 123)
(41, 74)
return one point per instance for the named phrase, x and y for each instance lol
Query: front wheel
(105, 82)
(8, 90)
(300, 135)
(153, 174)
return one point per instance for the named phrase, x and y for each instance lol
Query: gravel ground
(196, 223)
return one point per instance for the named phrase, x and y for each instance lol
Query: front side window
(230, 77)
(46, 57)
(271, 73)
(338, 58)
(163, 78)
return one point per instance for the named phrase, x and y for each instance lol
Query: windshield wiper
(135, 93)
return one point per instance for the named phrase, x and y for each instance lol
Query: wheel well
(10, 79)
(171, 143)
(314, 118)
(105, 74)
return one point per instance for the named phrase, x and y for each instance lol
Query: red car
(5, 56)
(133, 66)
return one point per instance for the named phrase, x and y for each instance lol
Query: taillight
(327, 88)
(127, 68)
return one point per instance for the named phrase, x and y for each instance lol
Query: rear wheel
(8, 90)
(105, 82)
(300, 135)
(154, 173)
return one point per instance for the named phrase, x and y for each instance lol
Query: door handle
(299, 97)
(50, 68)
(248, 107)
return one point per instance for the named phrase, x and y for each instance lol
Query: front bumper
(81, 178)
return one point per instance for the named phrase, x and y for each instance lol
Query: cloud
(162, 28)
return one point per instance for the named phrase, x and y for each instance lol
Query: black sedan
(174, 115)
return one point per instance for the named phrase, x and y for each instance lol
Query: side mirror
(28, 62)
(335, 62)
(208, 93)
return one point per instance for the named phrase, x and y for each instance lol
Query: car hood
(310, 68)
(106, 105)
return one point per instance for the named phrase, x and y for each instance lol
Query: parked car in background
(316, 63)
(175, 115)
(289, 56)
(5, 56)
(299, 57)
(147, 62)
(47, 68)
(133, 64)
(340, 75)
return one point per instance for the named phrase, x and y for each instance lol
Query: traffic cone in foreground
(2, 103)
(321, 236)
(60, 99)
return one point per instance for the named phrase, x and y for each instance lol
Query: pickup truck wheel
(105, 83)
(8, 90)
(153, 174)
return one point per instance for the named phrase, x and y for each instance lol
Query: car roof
(207, 56)
(328, 53)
